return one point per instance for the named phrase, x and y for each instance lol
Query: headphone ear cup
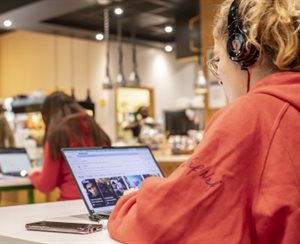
(239, 53)
(236, 46)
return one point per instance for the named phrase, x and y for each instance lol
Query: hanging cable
(120, 76)
(72, 69)
(88, 95)
(248, 80)
(134, 77)
(107, 83)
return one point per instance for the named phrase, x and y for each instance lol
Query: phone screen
(65, 227)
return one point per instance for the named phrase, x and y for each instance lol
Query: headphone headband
(237, 48)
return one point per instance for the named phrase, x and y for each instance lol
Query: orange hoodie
(241, 185)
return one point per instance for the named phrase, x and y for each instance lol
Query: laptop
(14, 161)
(103, 174)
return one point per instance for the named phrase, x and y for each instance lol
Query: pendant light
(120, 80)
(134, 79)
(200, 82)
(107, 82)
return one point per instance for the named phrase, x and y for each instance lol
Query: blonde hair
(273, 26)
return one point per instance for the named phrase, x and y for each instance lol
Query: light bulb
(168, 29)
(118, 11)
(7, 23)
(201, 83)
(168, 48)
(107, 83)
(99, 37)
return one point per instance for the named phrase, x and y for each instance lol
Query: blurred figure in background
(6, 134)
(145, 129)
(140, 116)
(67, 125)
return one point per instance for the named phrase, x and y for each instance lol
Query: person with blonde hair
(242, 183)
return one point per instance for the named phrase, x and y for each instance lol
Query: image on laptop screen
(103, 174)
(14, 161)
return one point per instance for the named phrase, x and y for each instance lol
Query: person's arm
(46, 179)
(164, 210)
(131, 125)
(206, 200)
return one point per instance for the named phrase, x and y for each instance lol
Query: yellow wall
(27, 62)
(34, 61)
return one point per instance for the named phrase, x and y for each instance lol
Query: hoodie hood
(284, 86)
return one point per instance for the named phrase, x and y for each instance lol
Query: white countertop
(6, 181)
(13, 220)
(172, 158)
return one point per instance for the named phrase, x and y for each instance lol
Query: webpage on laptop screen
(14, 162)
(103, 175)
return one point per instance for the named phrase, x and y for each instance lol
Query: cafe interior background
(113, 57)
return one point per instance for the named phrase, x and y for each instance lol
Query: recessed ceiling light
(7, 23)
(168, 48)
(118, 11)
(104, 2)
(99, 37)
(168, 29)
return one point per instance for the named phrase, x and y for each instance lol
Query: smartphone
(64, 227)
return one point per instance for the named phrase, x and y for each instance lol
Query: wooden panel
(168, 167)
(207, 12)
(168, 162)
(33, 61)
(20, 197)
(27, 61)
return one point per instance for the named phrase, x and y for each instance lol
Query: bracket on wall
(192, 24)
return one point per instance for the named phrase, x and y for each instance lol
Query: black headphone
(238, 50)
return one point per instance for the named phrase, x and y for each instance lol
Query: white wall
(159, 70)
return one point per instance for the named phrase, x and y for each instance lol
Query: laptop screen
(103, 174)
(14, 161)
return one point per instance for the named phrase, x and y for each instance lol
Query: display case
(23, 115)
